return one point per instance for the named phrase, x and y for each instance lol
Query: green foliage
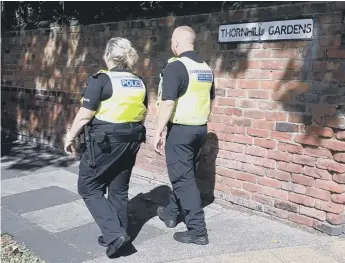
(28, 15)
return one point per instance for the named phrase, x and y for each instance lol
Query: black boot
(118, 243)
(187, 237)
(102, 242)
(169, 222)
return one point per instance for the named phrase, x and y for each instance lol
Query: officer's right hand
(158, 143)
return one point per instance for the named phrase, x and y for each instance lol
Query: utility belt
(105, 138)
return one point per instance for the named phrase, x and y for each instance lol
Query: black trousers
(182, 149)
(112, 172)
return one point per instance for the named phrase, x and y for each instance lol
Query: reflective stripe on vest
(127, 101)
(193, 108)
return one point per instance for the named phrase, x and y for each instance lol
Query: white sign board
(266, 31)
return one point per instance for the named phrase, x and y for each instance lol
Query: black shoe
(102, 242)
(114, 246)
(170, 223)
(186, 237)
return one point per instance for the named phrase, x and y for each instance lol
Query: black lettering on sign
(289, 29)
(271, 30)
(295, 29)
(283, 29)
(308, 28)
(244, 32)
(277, 31)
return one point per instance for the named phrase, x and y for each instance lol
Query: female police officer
(112, 111)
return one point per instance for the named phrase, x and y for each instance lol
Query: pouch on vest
(102, 141)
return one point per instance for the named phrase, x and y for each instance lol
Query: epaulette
(99, 72)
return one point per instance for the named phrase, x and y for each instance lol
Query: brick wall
(277, 131)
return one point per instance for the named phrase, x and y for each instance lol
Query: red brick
(338, 198)
(340, 157)
(268, 105)
(259, 74)
(304, 159)
(232, 111)
(248, 103)
(257, 132)
(233, 147)
(258, 94)
(264, 162)
(246, 177)
(281, 136)
(336, 219)
(263, 199)
(293, 148)
(280, 175)
(333, 145)
(276, 193)
(298, 117)
(220, 118)
(232, 164)
(317, 173)
(330, 165)
(231, 182)
(336, 53)
(235, 129)
(285, 205)
(303, 180)
(301, 199)
(299, 189)
(312, 212)
(276, 212)
(225, 172)
(319, 111)
(301, 219)
(268, 84)
(250, 168)
(240, 193)
(319, 131)
(224, 136)
(223, 83)
(254, 188)
(339, 178)
(265, 143)
(215, 109)
(289, 167)
(236, 93)
(335, 122)
(255, 151)
(242, 139)
(248, 84)
(318, 193)
(329, 207)
(275, 116)
(240, 157)
(279, 156)
(241, 122)
(272, 64)
(225, 102)
(307, 140)
(216, 126)
(341, 135)
(255, 114)
(317, 152)
(269, 182)
(330, 186)
(263, 124)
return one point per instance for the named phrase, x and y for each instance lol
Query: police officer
(185, 96)
(113, 108)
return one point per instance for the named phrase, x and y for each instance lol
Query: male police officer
(185, 104)
(113, 108)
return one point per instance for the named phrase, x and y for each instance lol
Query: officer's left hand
(158, 143)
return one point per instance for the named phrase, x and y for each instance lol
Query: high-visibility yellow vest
(193, 108)
(127, 101)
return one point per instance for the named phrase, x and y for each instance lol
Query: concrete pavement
(40, 206)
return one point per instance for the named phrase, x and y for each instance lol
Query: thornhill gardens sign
(267, 31)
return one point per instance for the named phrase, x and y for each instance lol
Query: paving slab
(38, 199)
(16, 186)
(61, 217)
(12, 223)
(49, 247)
(10, 174)
(262, 256)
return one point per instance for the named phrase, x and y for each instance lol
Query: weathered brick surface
(277, 129)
